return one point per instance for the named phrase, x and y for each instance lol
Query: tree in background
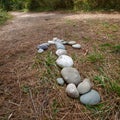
(60, 4)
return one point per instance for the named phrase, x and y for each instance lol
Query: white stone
(72, 42)
(51, 42)
(40, 50)
(71, 75)
(84, 86)
(55, 39)
(61, 52)
(64, 61)
(72, 91)
(76, 46)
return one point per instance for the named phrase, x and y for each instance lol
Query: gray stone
(43, 46)
(71, 75)
(71, 91)
(90, 98)
(55, 39)
(61, 52)
(64, 42)
(59, 45)
(64, 61)
(40, 50)
(84, 86)
(60, 81)
(76, 46)
(72, 42)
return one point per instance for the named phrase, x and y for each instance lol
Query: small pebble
(55, 39)
(40, 50)
(60, 81)
(51, 42)
(72, 42)
(59, 45)
(64, 42)
(43, 46)
(76, 46)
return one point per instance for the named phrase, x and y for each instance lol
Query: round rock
(76, 46)
(59, 45)
(71, 75)
(60, 81)
(71, 91)
(64, 42)
(43, 46)
(61, 52)
(64, 61)
(55, 39)
(40, 50)
(84, 86)
(72, 42)
(90, 98)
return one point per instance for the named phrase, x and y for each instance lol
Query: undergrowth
(4, 16)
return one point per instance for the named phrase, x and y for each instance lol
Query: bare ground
(28, 90)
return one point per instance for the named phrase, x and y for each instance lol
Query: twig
(10, 116)
(31, 97)
(64, 115)
(14, 103)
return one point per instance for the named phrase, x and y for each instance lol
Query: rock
(60, 81)
(55, 39)
(90, 98)
(59, 45)
(43, 46)
(71, 91)
(84, 86)
(40, 50)
(71, 75)
(76, 46)
(64, 61)
(61, 52)
(64, 42)
(72, 42)
(51, 42)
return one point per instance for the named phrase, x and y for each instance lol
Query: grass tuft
(95, 57)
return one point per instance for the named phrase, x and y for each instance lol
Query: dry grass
(28, 88)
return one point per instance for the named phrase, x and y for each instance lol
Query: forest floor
(28, 88)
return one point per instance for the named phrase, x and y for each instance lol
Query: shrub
(3, 16)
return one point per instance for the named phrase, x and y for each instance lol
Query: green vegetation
(3, 16)
(116, 49)
(95, 57)
(43, 5)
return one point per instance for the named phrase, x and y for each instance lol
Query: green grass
(115, 86)
(106, 45)
(25, 89)
(95, 57)
(116, 49)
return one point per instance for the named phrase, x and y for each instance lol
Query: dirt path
(25, 26)
(18, 40)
